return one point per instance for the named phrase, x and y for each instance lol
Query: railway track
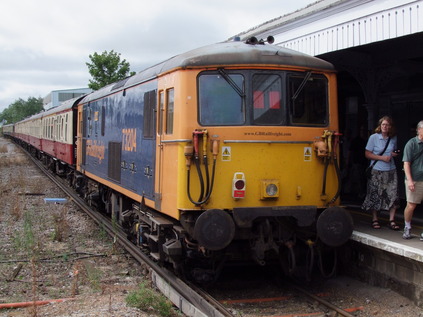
(289, 300)
(190, 299)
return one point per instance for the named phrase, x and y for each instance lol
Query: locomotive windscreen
(265, 98)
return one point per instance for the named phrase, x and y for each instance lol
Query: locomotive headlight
(269, 189)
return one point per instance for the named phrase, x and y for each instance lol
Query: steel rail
(323, 302)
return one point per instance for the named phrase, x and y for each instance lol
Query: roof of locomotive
(235, 53)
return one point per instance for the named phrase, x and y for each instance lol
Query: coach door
(80, 144)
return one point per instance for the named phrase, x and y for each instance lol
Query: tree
(22, 109)
(107, 68)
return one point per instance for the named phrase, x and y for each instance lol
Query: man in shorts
(413, 169)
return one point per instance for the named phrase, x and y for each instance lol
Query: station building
(56, 97)
(376, 47)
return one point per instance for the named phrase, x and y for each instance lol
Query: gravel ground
(52, 251)
(56, 252)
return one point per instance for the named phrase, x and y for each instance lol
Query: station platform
(385, 238)
(381, 257)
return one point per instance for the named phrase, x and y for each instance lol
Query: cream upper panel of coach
(58, 127)
(30, 126)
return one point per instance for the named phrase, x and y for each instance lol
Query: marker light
(238, 186)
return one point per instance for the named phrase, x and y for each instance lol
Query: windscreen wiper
(231, 82)
(300, 88)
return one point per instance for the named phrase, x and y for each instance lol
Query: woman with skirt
(382, 187)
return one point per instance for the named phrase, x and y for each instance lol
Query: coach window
(267, 100)
(308, 97)
(221, 97)
(55, 128)
(66, 126)
(62, 128)
(170, 95)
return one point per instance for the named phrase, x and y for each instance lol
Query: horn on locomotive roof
(253, 40)
(270, 39)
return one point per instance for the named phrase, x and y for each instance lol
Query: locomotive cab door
(165, 145)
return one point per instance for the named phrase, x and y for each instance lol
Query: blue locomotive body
(118, 137)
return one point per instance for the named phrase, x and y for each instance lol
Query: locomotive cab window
(170, 94)
(221, 99)
(267, 102)
(160, 113)
(308, 97)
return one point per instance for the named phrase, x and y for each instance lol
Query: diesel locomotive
(224, 154)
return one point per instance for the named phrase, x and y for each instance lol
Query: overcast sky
(45, 44)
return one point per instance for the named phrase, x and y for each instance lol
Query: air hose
(191, 151)
(338, 174)
(332, 156)
(321, 264)
(209, 187)
(337, 170)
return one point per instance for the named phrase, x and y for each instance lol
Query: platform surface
(385, 238)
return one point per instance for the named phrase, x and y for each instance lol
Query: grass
(31, 235)
(148, 300)
(25, 240)
(94, 275)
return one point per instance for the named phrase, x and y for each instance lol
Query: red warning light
(238, 186)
